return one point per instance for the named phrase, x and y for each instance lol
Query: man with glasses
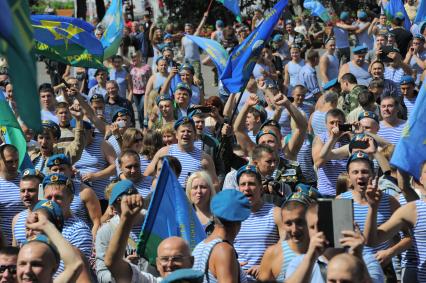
(100, 88)
(8, 259)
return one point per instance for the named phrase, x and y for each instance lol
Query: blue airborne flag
(67, 40)
(421, 12)
(233, 6)
(113, 23)
(317, 9)
(410, 152)
(214, 49)
(169, 214)
(243, 59)
(394, 8)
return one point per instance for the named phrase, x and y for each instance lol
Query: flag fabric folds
(410, 152)
(317, 9)
(396, 7)
(67, 40)
(243, 59)
(214, 49)
(16, 43)
(169, 214)
(233, 6)
(421, 12)
(113, 24)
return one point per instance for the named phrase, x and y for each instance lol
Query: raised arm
(200, 26)
(323, 152)
(242, 137)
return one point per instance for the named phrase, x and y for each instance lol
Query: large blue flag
(214, 49)
(243, 59)
(317, 9)
(410, 152)
(421, 12)
(233, 6)
(113, 23)
(169, 214)
(394, 8)
(67, 40)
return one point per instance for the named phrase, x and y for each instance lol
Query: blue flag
(214, 49)
(67, 40)
(169, 214)
(113, 23)
(317, 9)
(241, 63)
(233, 6)
(421, 12)
(396, 7)
(410, 152)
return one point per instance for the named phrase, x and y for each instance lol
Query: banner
(233, 6)
(317, 9)
(113, 24)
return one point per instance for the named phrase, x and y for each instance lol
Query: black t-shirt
(402, 38)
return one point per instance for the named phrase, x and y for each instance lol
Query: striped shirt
(10, 205)
(318, 122)
(330, 171)
(190, 161)
(40, 164)
(394, 75)
(391, 134)
(115, 145)
(19, 230)
(409, 103)
(384, 212)
(257, 233)
(408, 257)
(143, 161)
(144, 186)
(77, 206)
(201, 255)
(288, 256)
(304, 157)
(419, 240)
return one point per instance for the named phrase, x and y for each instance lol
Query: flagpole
(210, 5)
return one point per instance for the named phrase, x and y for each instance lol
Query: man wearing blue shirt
(308, 76)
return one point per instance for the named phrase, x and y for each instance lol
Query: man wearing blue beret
(409, 95)
(357, 66)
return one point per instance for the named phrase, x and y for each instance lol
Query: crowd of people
(319, 118)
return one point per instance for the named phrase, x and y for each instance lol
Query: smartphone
(121, 124)
(345, 128)
(359, 144)
(385, 52)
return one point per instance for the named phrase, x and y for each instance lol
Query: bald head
(173, 253)
(346, 268)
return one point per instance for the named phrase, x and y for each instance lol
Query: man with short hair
(377, 71)
(113, 102)
(8, 259)
(391, 126)
(100, 88)
(409, 95)
(130, 166)
(402, 37)
(47, 102)
(357, 66)
(347, 268)
(366, 102)
(308, 76)
(350, 90)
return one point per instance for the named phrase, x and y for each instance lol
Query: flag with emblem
(394, 8)
(410, 152)
(16, 44)
(241, 63)
(317, 9)
(169, 214)
(233, 6)
(113, 23)
(67, 40)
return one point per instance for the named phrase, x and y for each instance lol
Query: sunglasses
(11, 268)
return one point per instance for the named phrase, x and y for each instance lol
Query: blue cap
(58, 159)
(220, 23)
(54, 211)
(86, 125)
(187, 67)
(183, 120)
(230, 205)
(248, 169)
(362, 14)
(49, 124)
(167, 36)
(120, 113)
(184, 86)
(271, 122)
(344, 16)
(368, 114)
(193, 111)
(277, 37)
(405, 80)
(120, 188)
(96, 97)
(399, 16)
(360, 49)
(162, 97)
(331, 83)
(165, 47)
(262, 133)
(56, 178)
(184, 275)
(32, 173)
(359, 155)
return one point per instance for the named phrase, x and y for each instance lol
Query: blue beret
(304, 194)
(165, 47)
(188, 67)
(184, 275)
(162, 97)
(270, 122)
(330, 84)
(183, 120)
(399, 16)
(57, 178)
(271, 84)
(86, 125)
(58, 159)
(419, 36)
(220, 23)
(230, 205)
(159, 59)
(29, 172)
(368, 114)
(167, 36)
(193, 111)
(362, 14)
(54, 211)
(289, 22)
(121, 188)
(248, 169)
(45, 240)
(344, 16)
(308, 190)
(52, 125)
(406, 80)
(262, 112)
(96, 97)
(119, 113)
(360, 49)
(277, 37)
(359, 155)
(184, 86)
(262, 133)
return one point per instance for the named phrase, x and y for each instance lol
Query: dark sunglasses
(11, 268)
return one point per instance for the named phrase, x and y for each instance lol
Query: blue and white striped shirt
(190, 161)
(419, 240)
(391, 134)
(19, 230)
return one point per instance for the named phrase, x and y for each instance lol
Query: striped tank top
(318, 123)
(144, 186)
(40, 164)
(419, 240)
(384, 212)
(115, 145)
(333, 66)
(391, 134)
(77, 206)
(409, 103)
(257, 233)
(304, 157)
(143, 161)
(288, 256)
(92, 160)
(10, 205)
(330, 171)
(190, 161)
(201, 255)
(19, 230)
(293, 73)
(408, 257)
